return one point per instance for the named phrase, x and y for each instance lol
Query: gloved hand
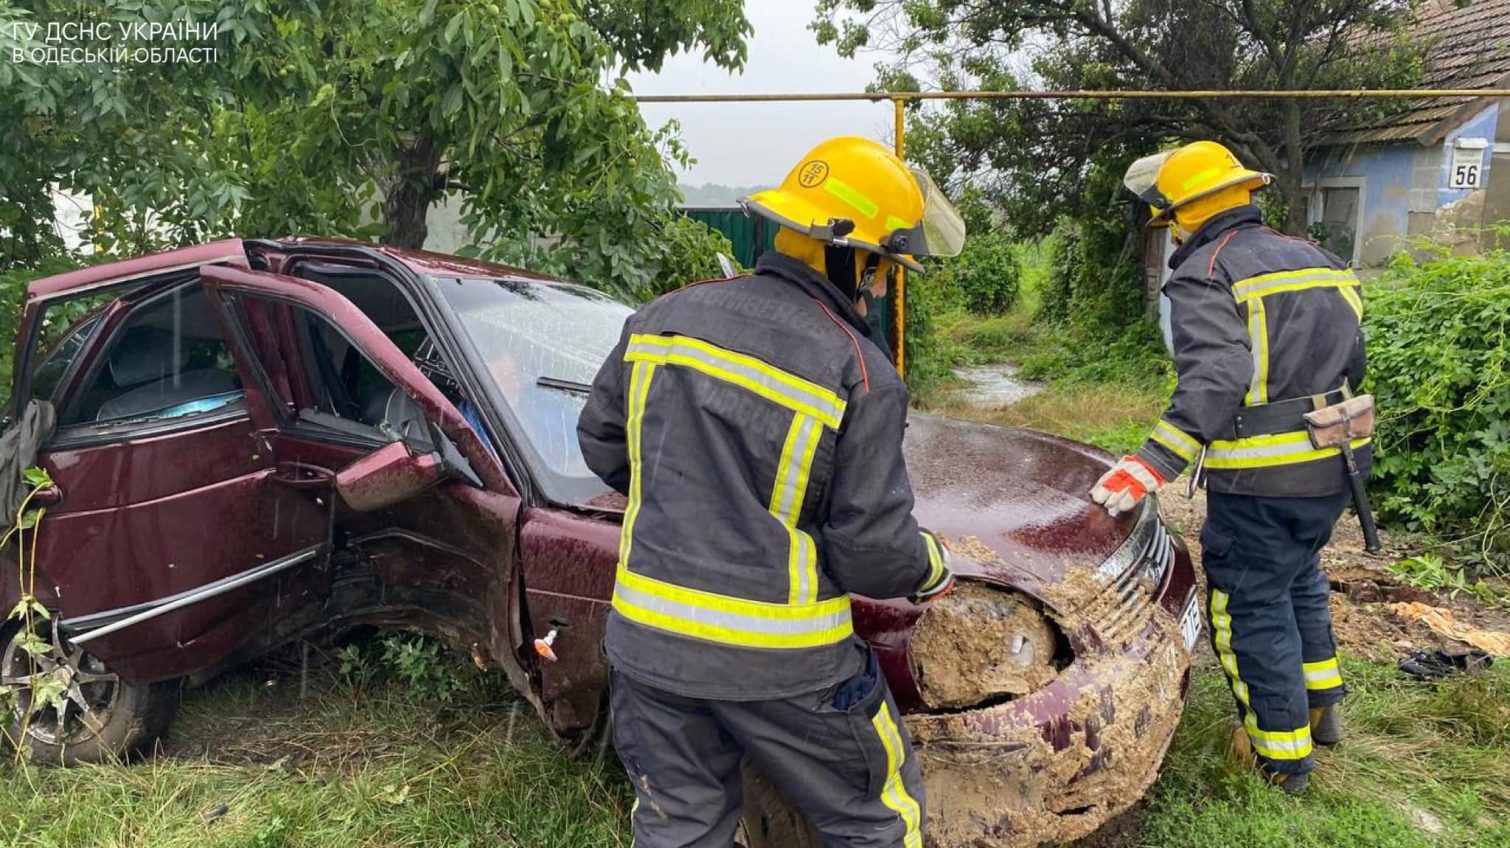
(1120, 489)
(940, 579)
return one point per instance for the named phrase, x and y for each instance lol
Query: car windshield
(542, 343)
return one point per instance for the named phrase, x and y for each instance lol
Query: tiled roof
(1467, 46)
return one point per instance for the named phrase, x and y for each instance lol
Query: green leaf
(37, 477)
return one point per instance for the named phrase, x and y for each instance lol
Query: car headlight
(980, 644)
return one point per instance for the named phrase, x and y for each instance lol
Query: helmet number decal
(813, 173)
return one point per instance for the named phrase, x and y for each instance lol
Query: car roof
(233, 251)
(428, 262)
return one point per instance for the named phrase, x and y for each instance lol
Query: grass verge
(1422, 764)
(375, 763)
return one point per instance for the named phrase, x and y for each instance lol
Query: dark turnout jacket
(757, 432)
(1265, 328)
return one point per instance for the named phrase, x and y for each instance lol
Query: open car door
(425, 515)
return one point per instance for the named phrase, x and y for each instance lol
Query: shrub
(987, 274)
(1439, 365)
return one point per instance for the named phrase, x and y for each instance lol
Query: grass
(368, 759)
(1421, 765)
(373, 764)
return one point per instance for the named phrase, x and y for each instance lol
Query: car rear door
(175, 524)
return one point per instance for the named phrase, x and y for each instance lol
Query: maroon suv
(260, 441)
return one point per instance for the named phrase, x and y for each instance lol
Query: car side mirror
(387, 476)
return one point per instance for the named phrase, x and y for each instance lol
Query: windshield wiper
(564, 385)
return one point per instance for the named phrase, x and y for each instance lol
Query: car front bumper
(1055, 765)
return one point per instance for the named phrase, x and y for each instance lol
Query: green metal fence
(751, 235)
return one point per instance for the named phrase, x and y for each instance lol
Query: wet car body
(281, 506)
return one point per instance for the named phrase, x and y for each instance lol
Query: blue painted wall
(1481, 125)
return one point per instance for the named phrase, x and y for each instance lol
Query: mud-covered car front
(1042, 694)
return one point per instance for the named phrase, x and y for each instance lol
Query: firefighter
(756, 428)
(1266, 328)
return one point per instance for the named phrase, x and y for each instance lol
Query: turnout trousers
(840, 754)
(1270, 624)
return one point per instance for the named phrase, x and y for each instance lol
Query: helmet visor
(1142, 179)
(940, 233)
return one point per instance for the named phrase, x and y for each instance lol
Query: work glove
(939, 580)
(1120, 489)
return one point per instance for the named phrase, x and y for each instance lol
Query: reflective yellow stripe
(1258, 334)
(1269, 451)
(1354, 300)
(935, 561)
(728, 620)
(1274, 744)
(1176, 440)
(1199, 179)
(894, 792)
(792, 474)
(849, 194)
(639, 390)
(1288, 281)
(894, 223)
(768, 381)
(1323, 675)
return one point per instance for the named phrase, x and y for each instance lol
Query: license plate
(1190, 623)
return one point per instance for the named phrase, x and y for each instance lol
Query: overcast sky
(743, 144)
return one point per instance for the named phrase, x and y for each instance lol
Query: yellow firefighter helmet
(853, 192)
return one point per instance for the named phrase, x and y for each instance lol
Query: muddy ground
(1362, 586)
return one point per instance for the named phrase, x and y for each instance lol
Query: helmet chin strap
(842, 270)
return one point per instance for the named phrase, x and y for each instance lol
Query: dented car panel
(308, 501)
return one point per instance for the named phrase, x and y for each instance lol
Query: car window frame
(115, 318)
(290, 422)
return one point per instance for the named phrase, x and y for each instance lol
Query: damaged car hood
(1014, 504)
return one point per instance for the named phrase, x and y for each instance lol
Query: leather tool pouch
(1339, 424)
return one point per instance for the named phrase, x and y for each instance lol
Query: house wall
(1403, 191)
(1497, 194)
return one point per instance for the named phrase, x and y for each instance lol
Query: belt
(1285, 416)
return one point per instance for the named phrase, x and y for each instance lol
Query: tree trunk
(409, 188)
(1292, 181)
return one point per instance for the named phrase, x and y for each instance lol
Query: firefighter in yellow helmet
(757, 432)
(1266, 328)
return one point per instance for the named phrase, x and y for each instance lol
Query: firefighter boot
(1326, 725)
(1240, 756)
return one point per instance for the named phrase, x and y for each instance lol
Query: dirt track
(1362, 586)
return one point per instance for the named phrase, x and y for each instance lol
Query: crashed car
(259, 441)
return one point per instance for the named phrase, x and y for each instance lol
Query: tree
(354, 117)
(1036, 153)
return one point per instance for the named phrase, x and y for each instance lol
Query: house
(1439, 169)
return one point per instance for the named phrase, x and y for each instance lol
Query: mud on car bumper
(1055, 765)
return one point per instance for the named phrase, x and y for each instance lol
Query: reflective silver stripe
(1258, 336)
(768, 381)
(1177, 440)
(792, 482)
(1307, 278)
(732, 621)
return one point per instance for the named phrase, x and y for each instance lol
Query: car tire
(122, 718)
(769, 819)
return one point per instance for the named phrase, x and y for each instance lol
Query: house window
(1336, 227)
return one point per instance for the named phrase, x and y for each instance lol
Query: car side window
(51, 368)
(167, 360)
(350, 392)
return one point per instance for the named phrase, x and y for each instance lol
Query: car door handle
(302, 475)
(47, 496)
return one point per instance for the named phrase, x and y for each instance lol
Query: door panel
(146, 520)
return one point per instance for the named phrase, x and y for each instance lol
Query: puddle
(992, 386)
